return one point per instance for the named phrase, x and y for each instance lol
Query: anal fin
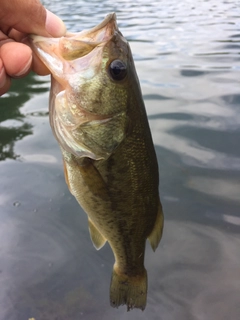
(156, 234)
(97, 238)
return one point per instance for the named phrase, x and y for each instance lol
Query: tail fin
(129, 290)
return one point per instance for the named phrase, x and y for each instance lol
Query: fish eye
(118, 70)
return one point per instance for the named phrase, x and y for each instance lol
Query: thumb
(29, 16)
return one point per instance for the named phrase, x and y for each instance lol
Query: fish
(98, 117)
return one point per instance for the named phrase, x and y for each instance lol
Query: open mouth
(60, 54)
(75, 45)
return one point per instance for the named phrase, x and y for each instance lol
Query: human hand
(18, 18)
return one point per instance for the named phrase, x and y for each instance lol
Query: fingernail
(25, 69)
(54, 25)
(3, 78)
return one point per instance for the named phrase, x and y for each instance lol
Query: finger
(3, 36)
(29, 16)
(16, 58)
(39, 67)
(5, 81)
(3, 76)
(16, 35)
(6, 86)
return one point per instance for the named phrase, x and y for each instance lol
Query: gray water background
(187, 55)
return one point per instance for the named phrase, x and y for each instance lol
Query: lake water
(187, 56)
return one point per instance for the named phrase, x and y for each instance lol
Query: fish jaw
(59, 54)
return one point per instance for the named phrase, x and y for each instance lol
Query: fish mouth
(56, 53)
(100, 33)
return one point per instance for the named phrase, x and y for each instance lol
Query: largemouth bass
(98, 117)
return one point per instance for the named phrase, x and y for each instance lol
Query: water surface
(187, 57)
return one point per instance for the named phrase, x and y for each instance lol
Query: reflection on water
(187, 58)
(228, 189)
(9, 134)
(14, 124)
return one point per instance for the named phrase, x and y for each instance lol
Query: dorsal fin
(156, 234)
(97, 238)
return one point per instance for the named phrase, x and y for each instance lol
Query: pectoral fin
(156, 234)
(96, 237)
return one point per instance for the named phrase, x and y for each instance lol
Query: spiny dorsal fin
(156, 234)
(97, 238)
